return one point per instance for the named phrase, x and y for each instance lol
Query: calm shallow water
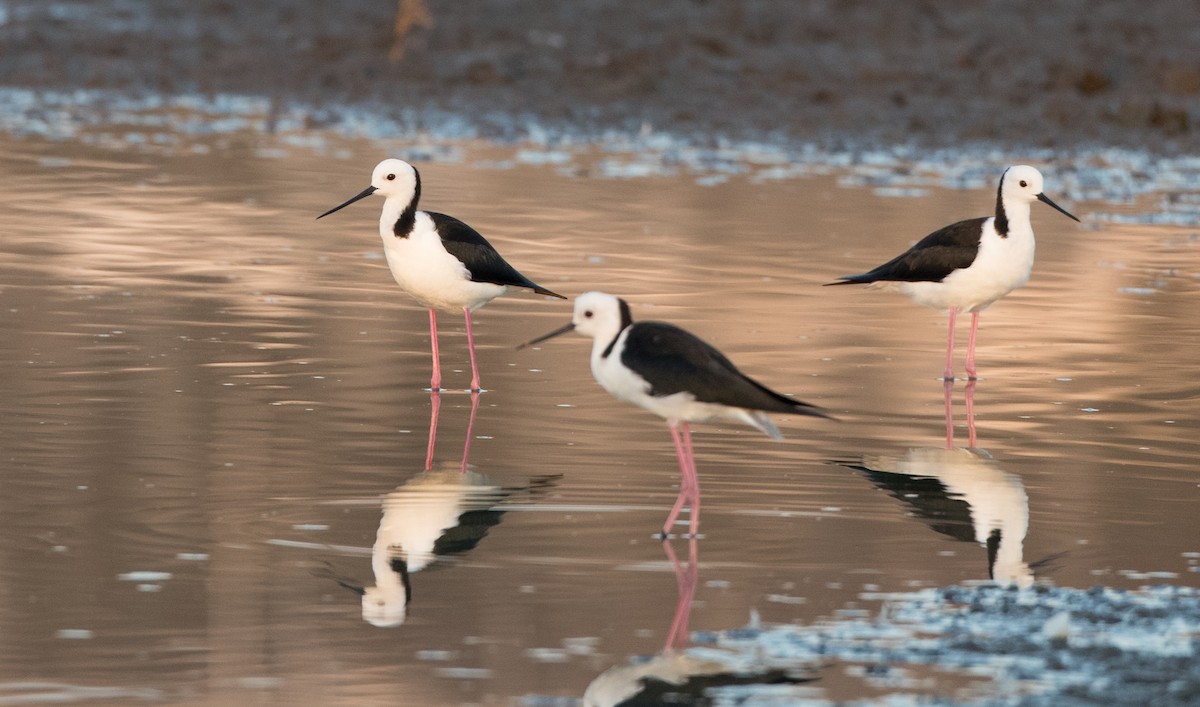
(211, 402)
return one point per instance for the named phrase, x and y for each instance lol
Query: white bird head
(598, 315)
(392, 179)
(1024, 184)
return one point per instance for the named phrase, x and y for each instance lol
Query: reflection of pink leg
(435, 407)
(970, 393)
(470, 427)
(471, 349)
(948, 389)
(685, 477)
(971, 346)
(685, 580)
(435, 383)
(949, 374)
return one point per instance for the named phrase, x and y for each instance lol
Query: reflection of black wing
(472, 527)
(694, 691)
(943, 511)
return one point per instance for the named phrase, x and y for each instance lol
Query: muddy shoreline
(1016, 75)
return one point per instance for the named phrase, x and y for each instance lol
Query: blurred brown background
(1025, 72)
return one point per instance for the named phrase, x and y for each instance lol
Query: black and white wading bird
(968, 265)
(441, 261)
(676, 376)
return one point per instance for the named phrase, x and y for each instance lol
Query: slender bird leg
(948, 389)
(970, 393)
(475, 387)
(971, 347)
(435, 407)
(470, 427)
(435, 383)
(949, 374)
(685, 479)
(694, 486)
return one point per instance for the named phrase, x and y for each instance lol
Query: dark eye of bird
(390, 177)
(587, 315)
(1023, 182)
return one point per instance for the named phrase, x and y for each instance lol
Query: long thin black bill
(361, 195)
(1046, 200)
(557, 332)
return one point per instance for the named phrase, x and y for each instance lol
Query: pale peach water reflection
(207, 397)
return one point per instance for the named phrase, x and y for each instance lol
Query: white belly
(1002, 265)
(432, 276)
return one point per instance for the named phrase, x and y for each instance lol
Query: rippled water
(213, 403)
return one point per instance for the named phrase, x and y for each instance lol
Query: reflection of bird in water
(675, 676)
(962, 493)
(675, 375)
(440, 512)
(968, 265)
(440, 261)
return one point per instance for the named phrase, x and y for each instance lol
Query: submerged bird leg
(949, 373)
(435, 383)
(971, 347)
(435, 407)
(475, 387)
(470, 426)
(685, 477)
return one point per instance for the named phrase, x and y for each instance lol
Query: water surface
(211, 402)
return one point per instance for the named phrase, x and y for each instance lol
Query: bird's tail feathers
(759, 419)
(850, 280)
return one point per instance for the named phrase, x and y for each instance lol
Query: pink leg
(471, 349)
(435, 383)
(949, 374)
(694, 486)
(970, 393)
(470, 427)
(685, 477)
(435, 403)
(948, 389)
(971, 346)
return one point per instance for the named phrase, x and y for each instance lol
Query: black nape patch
(626, 322)
(626, 314)
(1001, 223)
(408, 218)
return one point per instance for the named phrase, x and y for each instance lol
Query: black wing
(479, 257)
(672, 360)
(933, 258)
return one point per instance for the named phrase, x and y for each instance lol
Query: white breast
(1001, 266)
(432, 276)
